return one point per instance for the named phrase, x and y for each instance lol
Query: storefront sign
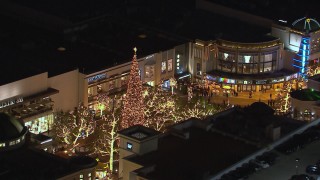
(261, 81)
(10, 102)
(96, 77)
(277, 80)
(293, 76)
(226, 80)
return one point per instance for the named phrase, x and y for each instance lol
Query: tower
(135, 140)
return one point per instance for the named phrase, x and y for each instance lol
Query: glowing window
(129, 146)
(2, 145)
(12, 143)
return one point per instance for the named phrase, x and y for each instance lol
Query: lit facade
(238, 66)
(301, 42)
(35, 98)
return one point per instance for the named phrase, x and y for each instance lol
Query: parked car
(313, 169)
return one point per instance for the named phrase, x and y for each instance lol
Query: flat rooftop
(306, 95)
(204, 153)
(24, 163)
(275, 10)
(103, 34)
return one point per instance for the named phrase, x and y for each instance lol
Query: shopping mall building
(34, 99)
(252, 65)
(263, 63)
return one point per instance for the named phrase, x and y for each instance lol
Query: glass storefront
(247, 63)
(40, 125)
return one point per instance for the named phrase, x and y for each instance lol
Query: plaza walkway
(243, 98)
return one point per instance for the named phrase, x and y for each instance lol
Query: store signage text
(96, 77)
(10, 102)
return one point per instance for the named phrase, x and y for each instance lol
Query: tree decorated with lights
(190, 93)
(173, 84)
(284, 103)
(160, 108)
(199, 110)
(133, 105)
(103, 102)
(106, 140)
(70, 127)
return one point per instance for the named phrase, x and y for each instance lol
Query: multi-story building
(20, 161)
(35, 98)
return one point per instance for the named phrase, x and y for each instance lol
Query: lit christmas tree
(69, 128)
(133, 105)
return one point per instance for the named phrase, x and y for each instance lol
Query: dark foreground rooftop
(204, 153)
(306, 95)
(26, 163)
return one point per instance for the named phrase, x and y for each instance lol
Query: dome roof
(306, 24)
(10, 128)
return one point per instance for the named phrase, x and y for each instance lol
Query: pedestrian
(270, 95)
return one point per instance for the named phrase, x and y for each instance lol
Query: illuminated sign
(293, 76)
(226, 80)
(277, 80)
(96, 77)
(163, 66)
(10, 102)
(261, 81)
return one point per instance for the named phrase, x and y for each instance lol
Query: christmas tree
(133, 107)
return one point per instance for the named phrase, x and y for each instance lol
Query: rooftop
(101, 35)
(139, 132)
(203, 153)
(306, 95)
(24, 163)
(251, 123)
(274, 10)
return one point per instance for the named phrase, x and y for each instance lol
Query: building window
(178, 61)
(81, 176)
(198, 69)
(2, 145)
(40, 125)
(129, 146)
(149, 71)
(170, 65)
(163, 67)
(12, 143)
(112, 84)
(124, 80)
